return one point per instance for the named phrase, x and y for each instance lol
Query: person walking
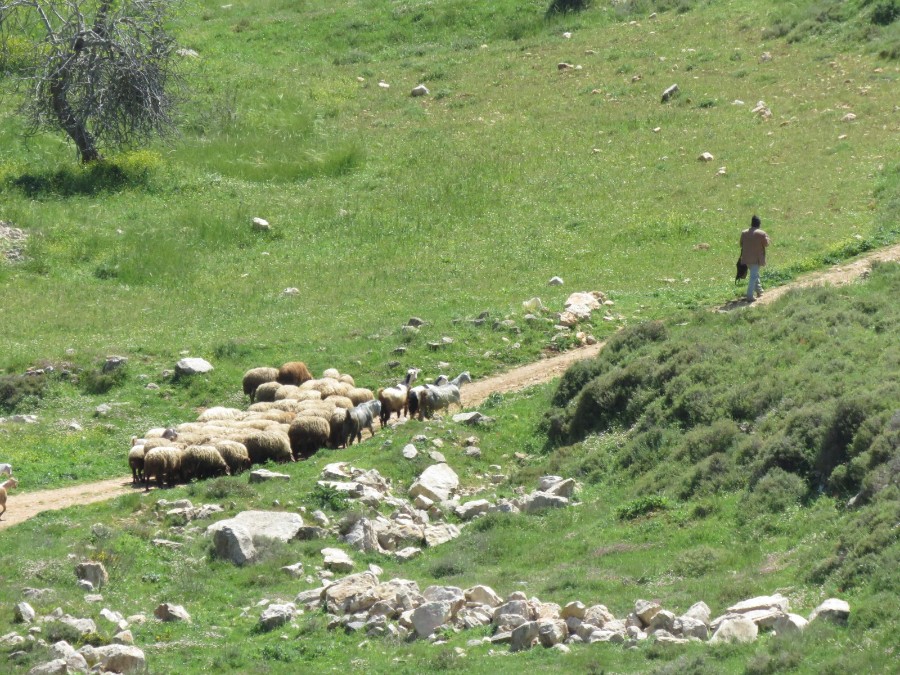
(753, 254)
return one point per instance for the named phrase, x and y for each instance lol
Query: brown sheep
(234, 454)
(265, 445)
(255, 377)
(202, 461)
(164, 464)
(294, 372)
(4, 487)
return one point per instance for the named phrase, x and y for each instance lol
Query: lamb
(202, 461)
(265, 445)
(359, 418)
(4, 488)
(234, 454)
(293, 372)
(254, 377)
(435, 398)
(396, 398)
(307, 435)
(164, 464)
(6, 470)
(136, 462)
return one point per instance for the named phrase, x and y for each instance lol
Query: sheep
(293, 372)
(287, 391)
(436, 397)
(6, 470)
(416, 392)
(395, 399)
(266, 391)
(307, 435)
(4, 488)
(359, 418)
(150, 443)
(336, 424)
(255, 377)
(202, 461)
(360, 395)
(234, 454)
(265, 445)
(136, 462)
(347, 379)
(220, 413)
(164, 464)
(341, 402)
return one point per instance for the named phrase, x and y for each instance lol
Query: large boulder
(767, 602)
(429, 617)
(264, 525)
(363, 537)
(234, 543)
(339, 595)
(438, 482)
(193, 366)
(122, 658)
(337, 560)
(832, 609)
(524, 636)
(440, 533)
(646, 610)
(23, 613)
(700, 611)
(483, 595)
(274, 616)
(552, 632)
(171, 612)
(789, 624)
(738, 629)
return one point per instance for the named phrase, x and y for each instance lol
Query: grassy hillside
(654, 533)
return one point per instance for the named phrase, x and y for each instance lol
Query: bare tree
(103, 71)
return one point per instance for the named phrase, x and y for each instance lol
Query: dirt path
(29, 504)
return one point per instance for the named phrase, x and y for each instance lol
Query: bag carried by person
(742, 269)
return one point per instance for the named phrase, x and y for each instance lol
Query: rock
(264, 525)
(121, 658)
(320, 518)
(83, 626)
(472, 418)
(308, 532)
(169, 612)
(441, 533)
(84, 585)
(832, 609)
(524, 636)
(662, 620)
(420, 90)
(430, 616)
(473, 452)
(23, 613)
(93, 572)
(705, 157)
(539, 501)
(193, 366)
(113, 363)
(363, 537)
(776, 601)
(573, 609)
(533, 305)
(36, 593)
(61, 649)
(555, 281)
(561, 648)
(665, 637)
(263, 475)
(789, 624)
(597, 615)
(687, 627)
(295, 570)
(483, 595)
(407, 553)
(563, 488)
(739, 629)
(437, 456)
(646, 610)
(123, 638)
(700, 611)
(234, 543)
(114, 618)
(55, 667)
(552, 632)
(471, 509)
(849, 117)
(437, 483)
(274, 616)
(670, 93)
(261, 225)
(11, 640)
(410, 452)
(337, 560)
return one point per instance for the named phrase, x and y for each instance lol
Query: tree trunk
(75, 128)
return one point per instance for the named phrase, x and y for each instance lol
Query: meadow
(465, 201)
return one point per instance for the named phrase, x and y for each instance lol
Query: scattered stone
(670, 93)
(83, 626)
(295, 570)
(93, 572)
(234, 543)
(337, 560)
(473, 452)
(789, 624)
(24, 613)
(261, 225)
(121, 659)
(420, 90)
(437, 456)
(410, 452)
(555, 281)
(263, 475)
(193, 366)
(276, 615)
(263, 525)
(849, 117)
(437, 483)
(170, 612)
(705, 157)
(739, 629)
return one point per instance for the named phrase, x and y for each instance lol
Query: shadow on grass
(92, 179)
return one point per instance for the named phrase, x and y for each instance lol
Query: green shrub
(21, 390)
(774, 493)
(566, 6)
(329, 497)
(886, 12)
(228, 488)
(95, 381)
(642, 506)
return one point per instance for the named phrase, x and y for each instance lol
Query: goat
(438, 397)
(396, 398)
(6, 485)
(358, 418)
(415, 396)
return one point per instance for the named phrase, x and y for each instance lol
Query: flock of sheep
(292, 416)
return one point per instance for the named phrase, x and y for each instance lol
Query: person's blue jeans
(753, 284)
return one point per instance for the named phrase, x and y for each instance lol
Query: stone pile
(399, 609)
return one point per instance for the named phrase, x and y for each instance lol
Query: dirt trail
(28, 504)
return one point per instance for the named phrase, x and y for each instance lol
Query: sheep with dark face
(415, 395)
(358, 418)
(257, 376)
(396, 399)
(293, 372)
(164, 464)
(235, 455)
(439, 397)
(202, 461)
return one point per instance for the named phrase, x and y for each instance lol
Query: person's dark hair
(755, 221)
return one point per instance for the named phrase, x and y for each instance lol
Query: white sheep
(254, 377)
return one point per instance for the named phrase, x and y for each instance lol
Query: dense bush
(19, 389)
